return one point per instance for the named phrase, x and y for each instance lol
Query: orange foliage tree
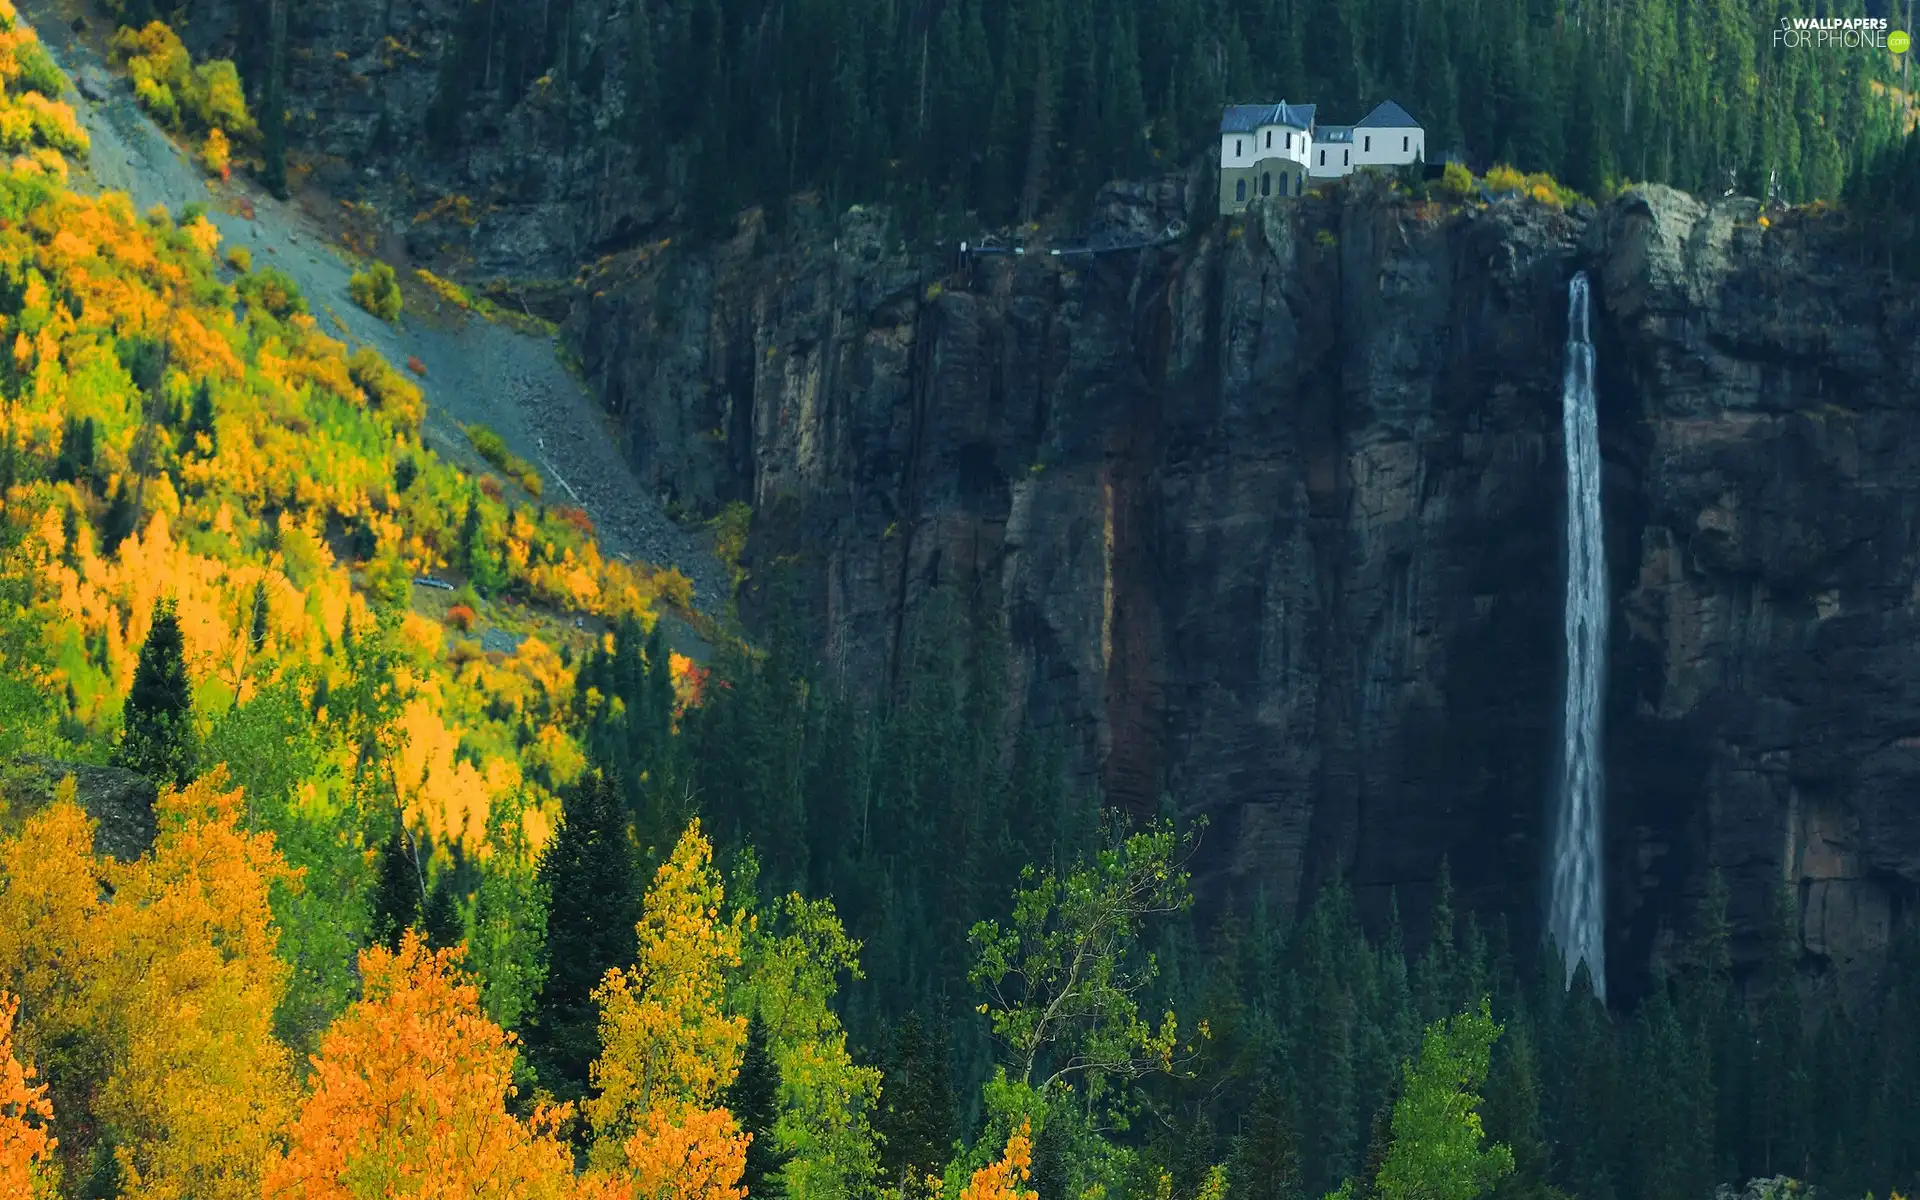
(26, 1148)
(409, 1098)
(1001, 1180)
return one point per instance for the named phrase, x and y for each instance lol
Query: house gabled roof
(1333, 133)
(1388, 116)
(1245, 118)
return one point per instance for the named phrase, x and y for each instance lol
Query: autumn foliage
(1002, 1180)
(409, 1097)
(25, 1113)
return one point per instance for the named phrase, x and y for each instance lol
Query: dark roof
(1390, 116)
(1333, 133)
(1245, 118)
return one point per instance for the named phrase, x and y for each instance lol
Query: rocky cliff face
(1274, 518)
(523, 173)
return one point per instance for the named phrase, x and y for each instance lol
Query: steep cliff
(1274, 519)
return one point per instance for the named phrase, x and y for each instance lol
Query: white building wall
(1236, 150)
(1281, 141)
(1388, 147)
(1340, 160)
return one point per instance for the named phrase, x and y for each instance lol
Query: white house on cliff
(1277, 148)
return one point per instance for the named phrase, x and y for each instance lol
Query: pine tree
(916, 1118)
(754, 1100)
(1266, 1158)
(158, 739)
(588, 872)
(440, 920)
(200, 419)
(396, 900)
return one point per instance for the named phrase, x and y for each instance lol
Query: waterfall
(1577, 917)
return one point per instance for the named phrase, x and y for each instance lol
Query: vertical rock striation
(1274, 519)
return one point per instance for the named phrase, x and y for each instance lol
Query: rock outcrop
(1274, 519)
(119, 802)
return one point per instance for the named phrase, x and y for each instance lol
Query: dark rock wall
(1275, 520)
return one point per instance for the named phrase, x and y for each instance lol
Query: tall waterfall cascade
(1576, 918)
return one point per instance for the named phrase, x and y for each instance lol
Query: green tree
(915, 1119)
(158, 739)
(1266, 1157)
(397, 892)
(1063, 978)
(588, 871)
(754, 1098)
(1438, 1150)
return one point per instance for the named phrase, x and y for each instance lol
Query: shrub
(404, 473)
(1503, 178)
(492, 447)
(376, 290)
(416, 366)
(490, 487)
(576, 517)
(273, 291)
(217, 155)
(38, 72)
(461, 617)
(240, 259)
(178, 93)
(1456, 181)
(448, 291)
(387, 389)
(489, 445)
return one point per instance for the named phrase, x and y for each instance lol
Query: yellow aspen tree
(666, 1041)
(409, 1097)
(198, 1088)
(668, 1048)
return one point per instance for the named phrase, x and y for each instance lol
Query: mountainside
(1274, 519)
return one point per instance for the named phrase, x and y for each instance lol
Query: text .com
(1832, 32)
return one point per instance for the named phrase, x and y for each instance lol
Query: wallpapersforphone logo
(1839, 33)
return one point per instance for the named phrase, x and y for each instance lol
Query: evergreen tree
(200, 419)
(440, 920)
(754, 1100)
(1266, 1159)
(916, 1118)
(158, 739)
(396, 900)
(588, 873)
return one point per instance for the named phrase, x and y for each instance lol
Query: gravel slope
(477, 372)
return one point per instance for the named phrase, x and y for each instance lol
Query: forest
(422, 916)
(1012, 110)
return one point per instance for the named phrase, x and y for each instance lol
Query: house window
(1240, 190)
(1269, 139)
(1346, 156)
(1237, 150)
(1367, 144)
(1266, 184)
(1289, 141)
(1406, 144)
(1323, 158)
